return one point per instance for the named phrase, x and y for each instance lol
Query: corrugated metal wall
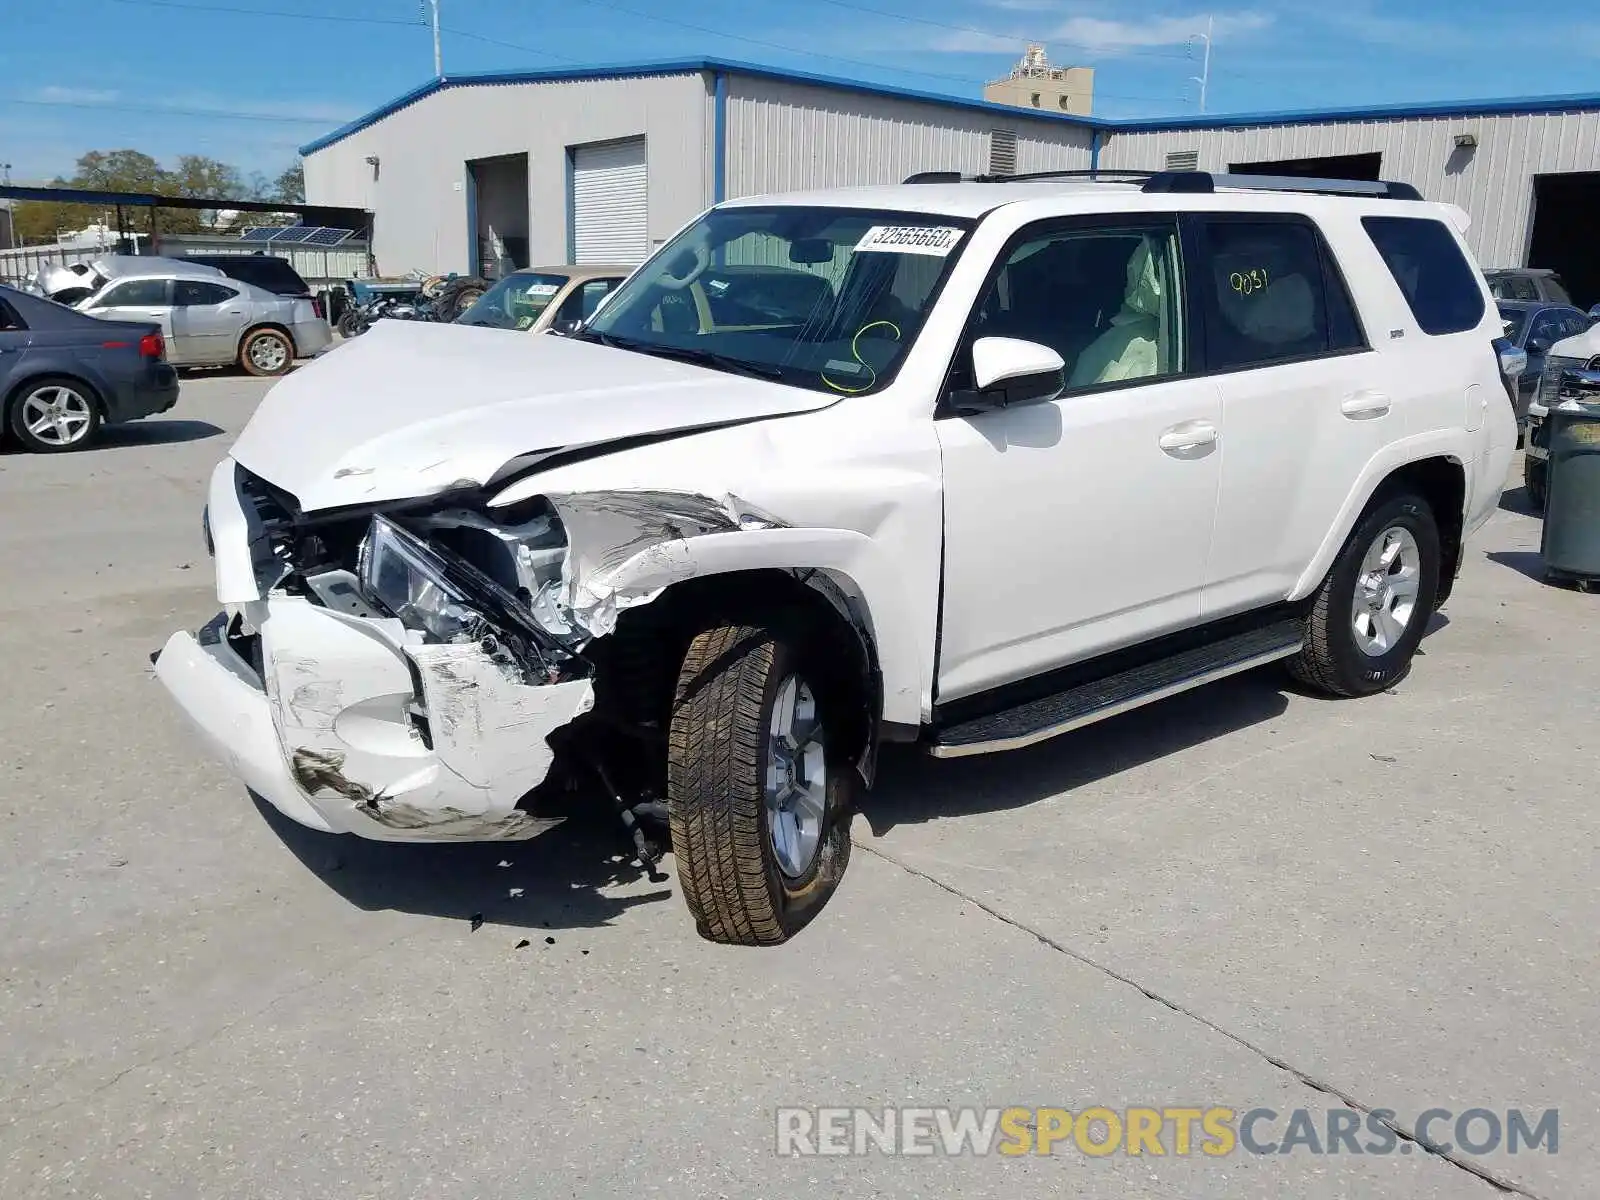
(1493, 183)
(789, 136)
(418, 192)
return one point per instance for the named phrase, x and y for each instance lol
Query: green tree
(290, 186)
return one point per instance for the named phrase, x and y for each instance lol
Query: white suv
(968, 464)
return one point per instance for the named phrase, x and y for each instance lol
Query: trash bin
(1571, 544)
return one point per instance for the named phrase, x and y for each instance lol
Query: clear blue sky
(174, 76)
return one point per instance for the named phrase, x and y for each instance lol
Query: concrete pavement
(1242, 897)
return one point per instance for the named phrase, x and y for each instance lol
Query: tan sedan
(537, 299)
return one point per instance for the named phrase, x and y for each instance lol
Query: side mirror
(1513, 361)
(566, 327)
(1538, 345)
(1009, 372)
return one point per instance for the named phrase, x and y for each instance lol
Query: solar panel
(327, 236)
(294, 233)
(261, 233)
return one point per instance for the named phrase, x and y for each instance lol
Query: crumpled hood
(408, 409)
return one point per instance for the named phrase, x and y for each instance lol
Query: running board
(1039, 720)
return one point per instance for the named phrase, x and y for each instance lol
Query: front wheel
(1373, 608)
(758, 797)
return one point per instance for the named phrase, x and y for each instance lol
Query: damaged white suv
(965, 463)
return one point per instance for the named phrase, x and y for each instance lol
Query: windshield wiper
(688, 354)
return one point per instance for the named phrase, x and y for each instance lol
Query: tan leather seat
(1131, 348)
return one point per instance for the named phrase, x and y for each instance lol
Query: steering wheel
(702, 259)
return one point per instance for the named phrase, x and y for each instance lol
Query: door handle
(1364, 406)
(1181, 441)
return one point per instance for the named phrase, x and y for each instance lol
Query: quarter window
(193, 292)
(1107, 300)
(1444, 293)
(141, 293)
(1268, 297)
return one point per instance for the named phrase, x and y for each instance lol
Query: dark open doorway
(1337, 166)
(499, 214)
(1564, 238)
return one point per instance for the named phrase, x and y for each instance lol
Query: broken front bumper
(350, 726)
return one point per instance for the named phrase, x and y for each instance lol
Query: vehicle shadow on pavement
(913, 787)
(152, 433)
(560, 880)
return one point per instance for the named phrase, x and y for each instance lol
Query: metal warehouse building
(603, 164)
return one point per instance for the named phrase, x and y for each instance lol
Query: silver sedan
(211, 320)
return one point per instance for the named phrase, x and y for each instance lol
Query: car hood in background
(409, 409)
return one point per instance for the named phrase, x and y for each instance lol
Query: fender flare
(1393, 457)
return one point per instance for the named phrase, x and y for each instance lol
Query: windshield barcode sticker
(937, 240)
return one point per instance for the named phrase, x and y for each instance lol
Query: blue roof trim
(685, 66)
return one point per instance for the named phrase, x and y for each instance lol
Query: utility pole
(1204, 78)
(438, 61)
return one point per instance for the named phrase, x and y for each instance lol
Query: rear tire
(761, 841)
(54, 414)
(1370, 614)
(1535, 473)
(266, 352)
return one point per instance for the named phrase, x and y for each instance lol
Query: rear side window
(188, 293)
(1272, 293)
(1439, 284)
(9, 320)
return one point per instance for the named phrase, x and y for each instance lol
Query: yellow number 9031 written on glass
(1248, 283)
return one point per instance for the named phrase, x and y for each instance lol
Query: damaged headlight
(408, 579)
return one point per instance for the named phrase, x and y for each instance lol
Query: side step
(1038, 720)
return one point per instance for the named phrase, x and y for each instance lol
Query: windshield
(1515, 319)
(823, 298)
(515, 302)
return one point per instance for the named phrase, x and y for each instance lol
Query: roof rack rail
(1095, 173)
(1203, 182)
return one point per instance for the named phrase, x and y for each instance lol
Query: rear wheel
(1373, 608)
(55, 414)
(266, 352)
(1534, 474)
(758, 797)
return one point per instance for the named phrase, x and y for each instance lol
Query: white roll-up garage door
(609, 210)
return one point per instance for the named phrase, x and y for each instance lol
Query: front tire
(758, 797)
(1370, 614)
(266, 352)
(51, 415)
(1535, 473)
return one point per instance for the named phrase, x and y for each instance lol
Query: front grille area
(275, 508)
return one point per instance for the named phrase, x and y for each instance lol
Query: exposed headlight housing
(411, 581)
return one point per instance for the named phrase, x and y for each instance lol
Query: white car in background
(962, 463)
(210, 320)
